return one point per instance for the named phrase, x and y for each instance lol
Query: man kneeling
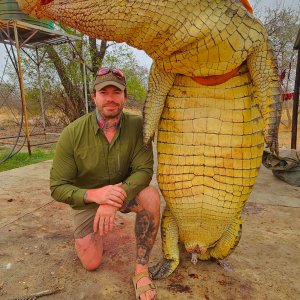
(101, 167)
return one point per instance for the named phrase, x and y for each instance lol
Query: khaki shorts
(83, 220)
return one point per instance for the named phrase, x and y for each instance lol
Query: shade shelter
(20, 32)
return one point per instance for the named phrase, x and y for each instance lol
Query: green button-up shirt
(84, 159)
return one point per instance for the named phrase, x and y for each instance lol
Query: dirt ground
(37, 252)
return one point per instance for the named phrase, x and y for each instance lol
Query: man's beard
(107, 114)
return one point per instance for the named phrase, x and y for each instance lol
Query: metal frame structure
(25, 35)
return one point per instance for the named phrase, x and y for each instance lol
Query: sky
(145, 60)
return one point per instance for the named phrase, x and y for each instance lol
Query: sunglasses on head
(118, 73)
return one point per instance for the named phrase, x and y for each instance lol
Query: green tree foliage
(62, 74)
(121, 56)
(32, 95)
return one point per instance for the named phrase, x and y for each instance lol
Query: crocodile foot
(163, 269)
(194, 259)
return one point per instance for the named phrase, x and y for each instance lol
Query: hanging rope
(13, 60)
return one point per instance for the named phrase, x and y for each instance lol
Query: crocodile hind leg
(229, 240)
(169, 234)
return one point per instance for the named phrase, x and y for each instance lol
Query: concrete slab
(36, 248)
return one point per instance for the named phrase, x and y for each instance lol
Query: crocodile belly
(210, 144)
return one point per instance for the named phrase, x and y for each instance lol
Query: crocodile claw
(194, 259)
(163, 269)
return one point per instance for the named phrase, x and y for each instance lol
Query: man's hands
(104, 219)
(112, 195)
(110, 198)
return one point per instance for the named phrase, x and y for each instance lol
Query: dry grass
(285, 129)
(9, 126)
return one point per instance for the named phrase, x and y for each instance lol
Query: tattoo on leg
(145, 232)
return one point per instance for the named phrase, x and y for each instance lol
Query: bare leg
(147, 208)
(89, 250)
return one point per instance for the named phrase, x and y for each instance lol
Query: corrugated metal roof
(32, 36)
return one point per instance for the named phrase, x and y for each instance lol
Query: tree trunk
(75, 96)
(97, 56)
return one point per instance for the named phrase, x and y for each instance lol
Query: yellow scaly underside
(210, 144)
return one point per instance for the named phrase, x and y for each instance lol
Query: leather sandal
(142, 289)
